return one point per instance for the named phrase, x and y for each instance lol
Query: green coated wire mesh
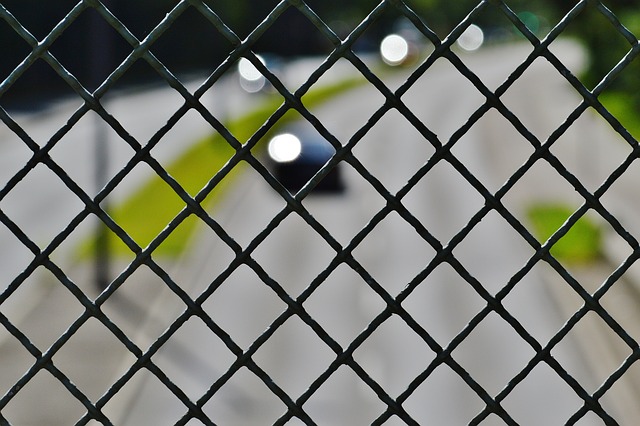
(392, 408)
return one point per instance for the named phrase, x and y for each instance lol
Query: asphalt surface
(343, 305)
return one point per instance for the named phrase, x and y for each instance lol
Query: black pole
(100, 60)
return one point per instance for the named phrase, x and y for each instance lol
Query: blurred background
(192, 44)
(396, 257)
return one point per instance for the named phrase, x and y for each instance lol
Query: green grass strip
(581, 244)
(150, 208)
(621, 106)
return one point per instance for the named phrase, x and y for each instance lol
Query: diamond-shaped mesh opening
(496, 142)
(354, 216)
(294, 356)
(541, 184)
(410, 148)
(194, 369)
(249, 188)
(544, 386)
(547, 82)
(294, 255)
(368, 98)
(24, 97)
(582, 150)
(443, 201)
(52, 399)
(128, 104)
(78, 152)
(304, 39)
(603, 350)
(138, 213)
(141, 395)
(243, 306)
(192, 157)
(495, 28)
(399, 58)
(295, 161)
(191, 25)
(244, 399)
(143, 307)
(393, 355)
(507, 255)
(609, 41)
(326, 406)
(442, 287)
(87, 30)
(92, 358)
(393, 241)
(59, 307)
(443, 397)
(442, 81)
(538, 290)
(489, 364)
(343, 305)
(24, 204)
(194, 273)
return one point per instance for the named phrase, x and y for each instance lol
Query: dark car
(297, 155)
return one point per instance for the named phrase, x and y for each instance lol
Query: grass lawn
(150, 209)
(581, 244)
(620, 106)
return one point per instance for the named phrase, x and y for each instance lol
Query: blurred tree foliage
(606, 46)
(193, 43)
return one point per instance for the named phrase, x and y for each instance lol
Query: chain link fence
(491, 365)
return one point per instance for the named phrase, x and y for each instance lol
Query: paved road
(42, 206)
(392, 254)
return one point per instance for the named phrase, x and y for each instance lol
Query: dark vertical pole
(102, 259)
(100, 58)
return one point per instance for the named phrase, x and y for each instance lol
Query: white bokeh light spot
(472, 38)
(285, 147)
(394, 49)
(251, 79)
(249, 71)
